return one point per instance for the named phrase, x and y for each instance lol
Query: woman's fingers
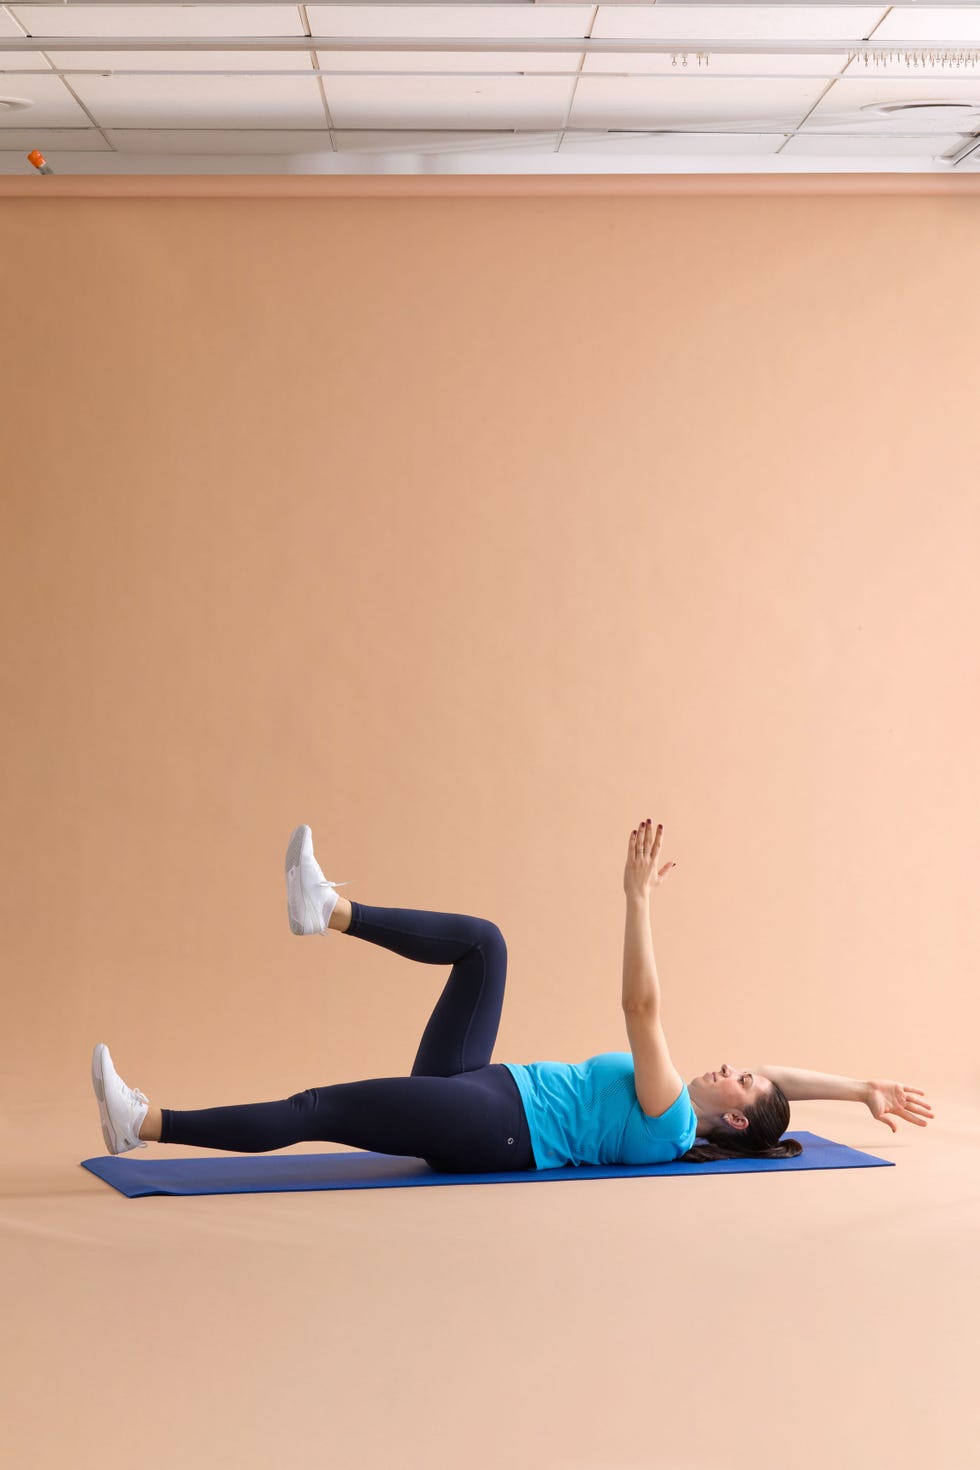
(651, 837)
(914, 1106)
(645, 842)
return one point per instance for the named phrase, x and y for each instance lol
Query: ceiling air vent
(962, 115)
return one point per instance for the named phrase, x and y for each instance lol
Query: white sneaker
(310, 898)
(121, 1108)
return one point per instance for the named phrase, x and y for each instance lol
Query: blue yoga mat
(274, 1173)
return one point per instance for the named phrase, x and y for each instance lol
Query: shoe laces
(135, 1097)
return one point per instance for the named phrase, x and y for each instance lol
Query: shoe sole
(99, 1085)
(292, 861)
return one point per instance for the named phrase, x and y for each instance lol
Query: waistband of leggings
(523, 1130)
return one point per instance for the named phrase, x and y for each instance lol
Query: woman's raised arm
(641, 983)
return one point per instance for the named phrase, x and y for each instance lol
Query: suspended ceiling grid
(514, 87)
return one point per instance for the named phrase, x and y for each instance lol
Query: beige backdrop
(471, 530)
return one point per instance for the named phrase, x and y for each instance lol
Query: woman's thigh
(493, 1134)
(470, 1122)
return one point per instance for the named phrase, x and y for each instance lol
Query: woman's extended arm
(799, 1085)
(882, 1097)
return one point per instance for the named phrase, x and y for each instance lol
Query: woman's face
(726, 1090)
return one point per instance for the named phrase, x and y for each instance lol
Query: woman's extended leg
(462, 1029)
(473, 1122)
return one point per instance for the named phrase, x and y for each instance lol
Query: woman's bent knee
(492, 934)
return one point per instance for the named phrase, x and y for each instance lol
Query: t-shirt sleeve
(673, 1132)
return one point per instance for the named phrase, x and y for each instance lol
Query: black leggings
(456, 1111)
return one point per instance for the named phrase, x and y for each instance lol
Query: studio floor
(827, 1318)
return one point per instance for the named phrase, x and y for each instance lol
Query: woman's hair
(768, 1120)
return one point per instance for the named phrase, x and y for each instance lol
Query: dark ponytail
(762, 1139)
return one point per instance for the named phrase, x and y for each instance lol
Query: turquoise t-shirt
(587, 1113)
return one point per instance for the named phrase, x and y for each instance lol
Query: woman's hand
(641, 861)
(893, 1097)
